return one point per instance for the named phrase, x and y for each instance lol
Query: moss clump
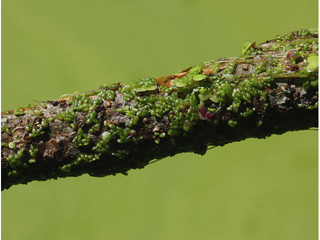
(119, 127)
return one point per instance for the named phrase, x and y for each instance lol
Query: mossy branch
(271, 89)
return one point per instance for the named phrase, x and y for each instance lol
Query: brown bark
(116, 128)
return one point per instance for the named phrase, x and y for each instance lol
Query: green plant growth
(270, 89)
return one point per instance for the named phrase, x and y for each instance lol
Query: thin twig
(271, 89)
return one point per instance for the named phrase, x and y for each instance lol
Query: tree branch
(271, 89)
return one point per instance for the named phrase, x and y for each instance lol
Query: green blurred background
(255, 189)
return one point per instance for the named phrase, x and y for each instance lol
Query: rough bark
(271, 89)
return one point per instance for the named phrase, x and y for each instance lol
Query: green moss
(117, 121)
(247, 47)
(33, 151)
(5, 128)
(18, 112)
(107, 94)
(232, 123)
(66, 168)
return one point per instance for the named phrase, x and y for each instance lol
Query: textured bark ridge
(272, 88)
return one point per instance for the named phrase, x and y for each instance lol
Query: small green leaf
(199, 77)
(195, 69)
(151, 88)
(312, 62)
(180, 84)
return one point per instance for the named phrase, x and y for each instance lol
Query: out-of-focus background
(255, 189)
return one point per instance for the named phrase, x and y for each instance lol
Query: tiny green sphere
(37, 112)
(12, 145)
(163, 135)
(106, 136)
(44, 123)
(187, 126)
(43, 105)
(66, 168)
